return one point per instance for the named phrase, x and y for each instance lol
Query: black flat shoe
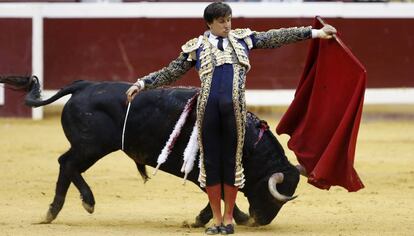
(213, 230)
(228, 229)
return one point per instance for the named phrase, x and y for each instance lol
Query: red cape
(323, 119)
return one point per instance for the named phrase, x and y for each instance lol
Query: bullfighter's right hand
(133, 91)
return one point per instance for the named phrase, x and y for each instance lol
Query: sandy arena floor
(125, 206)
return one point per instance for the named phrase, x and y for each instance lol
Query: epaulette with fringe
(192, 44)
(241, 33)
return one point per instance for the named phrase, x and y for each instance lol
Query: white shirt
(214, 41)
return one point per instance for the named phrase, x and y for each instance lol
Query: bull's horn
(301, 170)
(275, 179)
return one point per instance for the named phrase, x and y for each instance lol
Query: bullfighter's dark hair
(215, 10)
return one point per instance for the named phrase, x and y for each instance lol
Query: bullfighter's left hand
(326, 32)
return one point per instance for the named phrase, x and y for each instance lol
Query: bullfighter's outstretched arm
(175, 70)
(275, 38)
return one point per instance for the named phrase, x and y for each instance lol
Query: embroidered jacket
(200, 52)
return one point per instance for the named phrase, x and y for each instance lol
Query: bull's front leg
(203, 218)
(206, 215)
(240, 217)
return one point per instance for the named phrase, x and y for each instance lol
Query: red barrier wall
(15, 58)
(123, 49)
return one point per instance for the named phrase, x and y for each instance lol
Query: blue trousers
(219, 131)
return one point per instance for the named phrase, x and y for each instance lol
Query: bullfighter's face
(221, 26)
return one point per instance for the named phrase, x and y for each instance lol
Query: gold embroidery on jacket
(240, 114)
(239, 50)
(211, 57)
(206, 75)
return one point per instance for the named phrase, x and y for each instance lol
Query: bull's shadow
(93, 120)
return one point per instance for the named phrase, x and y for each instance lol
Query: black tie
(220, 43)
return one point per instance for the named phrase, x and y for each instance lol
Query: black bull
(93, 121)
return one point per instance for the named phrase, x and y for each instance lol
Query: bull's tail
(32, 86)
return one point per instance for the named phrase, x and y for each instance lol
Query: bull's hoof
(88, 208)
(49, 217)
(242, 218)
(197, 224)
(251, 223)
(185, 224)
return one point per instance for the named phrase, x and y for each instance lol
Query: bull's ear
(262, 124)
